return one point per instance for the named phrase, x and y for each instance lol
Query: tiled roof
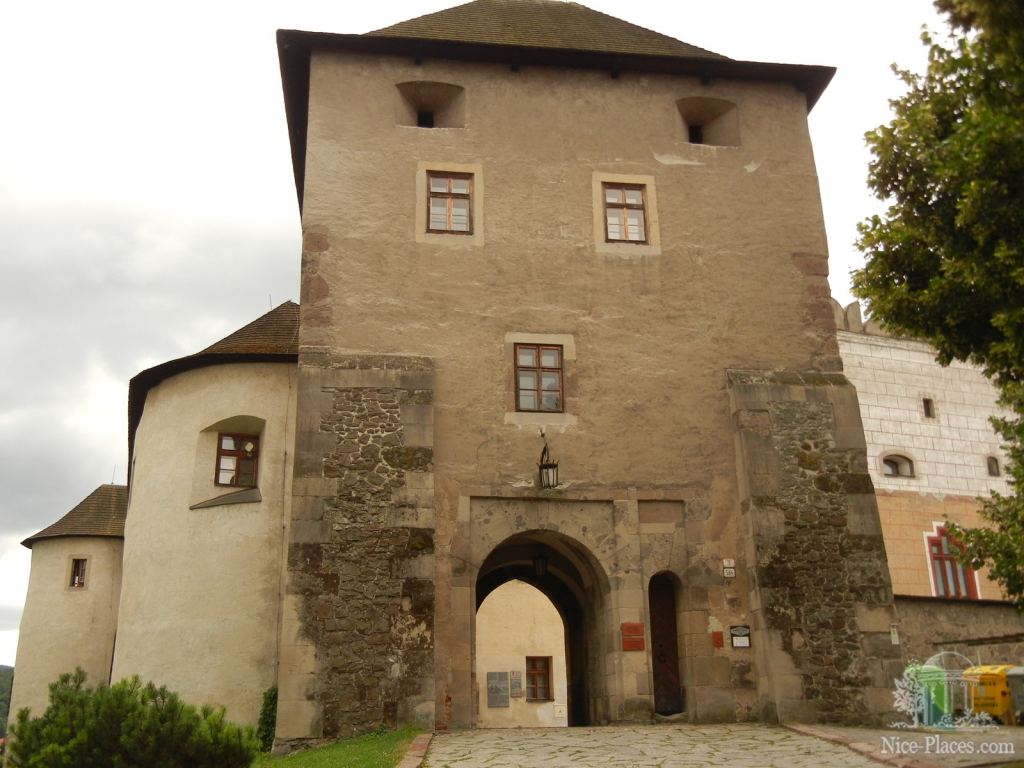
(274, 337)
(542, 24)
(101, 513)
(275, 333)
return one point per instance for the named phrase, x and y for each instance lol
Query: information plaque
(497, 689)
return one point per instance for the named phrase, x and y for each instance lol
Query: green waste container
(937, 702)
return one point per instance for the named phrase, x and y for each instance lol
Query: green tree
(126, 725)
(6, 680)
(945, 262)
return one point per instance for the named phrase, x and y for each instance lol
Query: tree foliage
(945, 263)
(6, 681)
(268, 719)
(126, 725)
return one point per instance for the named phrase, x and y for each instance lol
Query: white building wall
(199, 610)
(515, 621)
(63, 627)
(949, 451)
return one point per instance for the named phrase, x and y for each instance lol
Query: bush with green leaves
(268, 719)
(130, 724)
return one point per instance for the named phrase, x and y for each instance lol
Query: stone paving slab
(909, 748)
(654, 746)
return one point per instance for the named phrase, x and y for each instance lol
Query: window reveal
(951, 578)
(895, 465)
(538, 678)
(539, 378)
(77, 573)
(625, 214)
(449, 206)
(236, 460)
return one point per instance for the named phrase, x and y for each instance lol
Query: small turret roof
(275, 333)
(542, 24)
(101, 513)
(271, 338)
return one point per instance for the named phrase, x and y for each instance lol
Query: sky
(147, 206)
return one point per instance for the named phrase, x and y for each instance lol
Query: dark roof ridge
(100, 514)
(558, 25)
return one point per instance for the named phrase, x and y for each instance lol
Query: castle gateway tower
(525, 217)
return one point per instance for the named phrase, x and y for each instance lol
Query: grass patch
(375, 750)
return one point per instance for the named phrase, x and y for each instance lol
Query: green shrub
(126, 725)
(268, 719)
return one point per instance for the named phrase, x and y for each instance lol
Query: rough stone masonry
(825, 600)
(360, 558)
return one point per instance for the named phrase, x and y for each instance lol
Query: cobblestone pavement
(654, 746)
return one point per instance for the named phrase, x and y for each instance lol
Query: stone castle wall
(360, 624)
(824, 599)
(985, 631)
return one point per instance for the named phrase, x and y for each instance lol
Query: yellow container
(990, 691)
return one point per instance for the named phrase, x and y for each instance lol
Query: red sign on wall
(633, 637)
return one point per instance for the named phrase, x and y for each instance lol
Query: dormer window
(895, 465)
(237, 458)
(709, 121)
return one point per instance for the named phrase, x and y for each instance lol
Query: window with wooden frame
(538, 678)
(237, 459)
(77, 580)
(993, 466)
(625, 213)
(449, 198)
(951, 578)
(539, 377)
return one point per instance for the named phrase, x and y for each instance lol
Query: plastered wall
(735, 277)
(949, 449)
(63, 627)
(200, 605)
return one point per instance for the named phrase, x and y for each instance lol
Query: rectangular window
(237, 457)
(538, 678)
(625, 215)
(929, 408)
(77, 573)
(951, 578)
(539, 378)
(448, 203)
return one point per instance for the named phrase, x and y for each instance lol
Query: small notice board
(740, 636)
(497, 689)
(632, 636)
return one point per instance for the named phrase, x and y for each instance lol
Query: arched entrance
(668, 689)
(569, 576)
(520, 660)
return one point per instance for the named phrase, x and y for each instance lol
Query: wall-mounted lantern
(548, 468)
